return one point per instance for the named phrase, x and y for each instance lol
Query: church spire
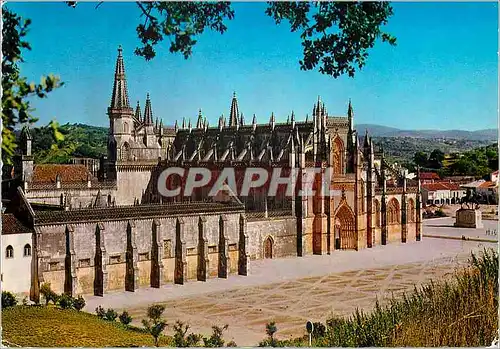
(138, 115)
(148, 113)
(234, 113)
(350, 115)
(199, 123)
(119, 99)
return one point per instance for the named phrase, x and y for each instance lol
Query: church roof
(135, 212)
(68, 173)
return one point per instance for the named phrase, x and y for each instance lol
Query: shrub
(125, 318)
(319, 330)
(8, 300)
(154, 325)
(440, 213)
(180, 338)
(110, 315)
(100, 312)
(79, 303)
(48, 294)
(216, 340)
(231, 344)
(65, 301)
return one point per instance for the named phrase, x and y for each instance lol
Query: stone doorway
(347, 230)
(268, 248)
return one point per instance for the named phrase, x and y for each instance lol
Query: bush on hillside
(8, 300)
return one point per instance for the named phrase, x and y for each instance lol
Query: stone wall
(122, 255)
(282, 231)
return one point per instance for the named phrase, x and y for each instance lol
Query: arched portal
(268, 248)
(347, 229)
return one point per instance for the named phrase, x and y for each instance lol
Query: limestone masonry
(92, 230)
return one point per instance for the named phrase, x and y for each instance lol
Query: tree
(180, 338)
(216, 340)
(15, 88)
(336, 36)
(154, 325)
(436, 159)
(421, 159)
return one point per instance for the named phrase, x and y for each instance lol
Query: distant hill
(384, 131)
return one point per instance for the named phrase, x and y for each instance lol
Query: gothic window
(411, 210)
(338, 156)
(167, 249)
(393, 212)
(9, 252)
(125, 128)
(125, 153)
(27, 250)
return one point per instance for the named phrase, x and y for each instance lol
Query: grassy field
(40, 326)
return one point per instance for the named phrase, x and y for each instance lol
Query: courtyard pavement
(443, 228)
(291, 291)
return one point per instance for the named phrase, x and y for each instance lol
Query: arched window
(125, 153)
(125, 127)
(411, 211)
(9, 252)
(338, 156)
(393, 212)
(27, 250)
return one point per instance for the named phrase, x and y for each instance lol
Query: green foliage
(79, 303)
(65, 301)
(125, 318)
(78, 140)
(16, 90)
(336, 36)
(440, 213)
(110, 315)
(181, 339)
(8, 300)
(100, 312)
(48, 294)
(271, 329)
(461, 312)
(421, 159)
(154, 325)
(216, 340)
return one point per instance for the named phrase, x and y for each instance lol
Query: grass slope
(39, 326)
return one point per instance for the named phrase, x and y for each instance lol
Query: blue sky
(443, 73)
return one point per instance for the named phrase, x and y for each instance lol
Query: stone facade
(112, 230)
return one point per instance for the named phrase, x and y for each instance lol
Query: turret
(121, 115)
(234, 113)
(199, 123)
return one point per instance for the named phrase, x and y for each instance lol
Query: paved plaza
(443, 228)
(291, 291)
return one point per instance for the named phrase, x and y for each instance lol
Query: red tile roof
(12, 225)
(487, 184)
(429, 175)
(68, 173)
(440, 186)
